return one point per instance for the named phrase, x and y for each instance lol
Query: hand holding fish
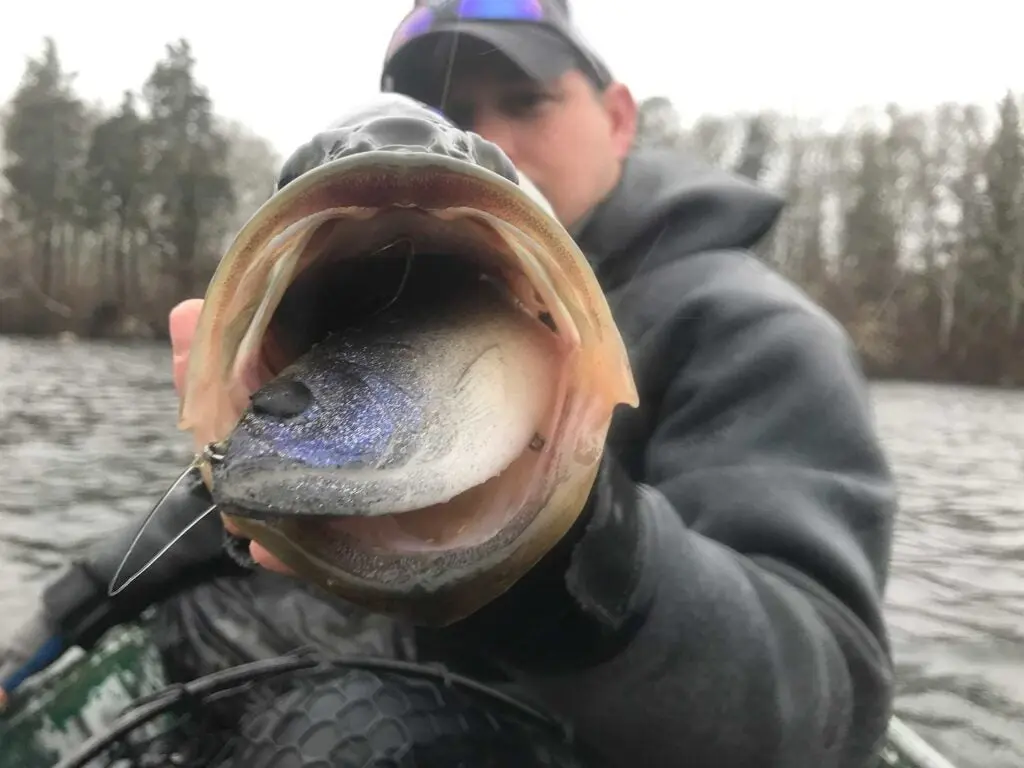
(182, 327)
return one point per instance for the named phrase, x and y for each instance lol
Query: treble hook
(194, 493)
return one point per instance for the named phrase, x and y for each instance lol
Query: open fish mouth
(407, 367)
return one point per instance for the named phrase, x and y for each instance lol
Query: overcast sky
(285, 69)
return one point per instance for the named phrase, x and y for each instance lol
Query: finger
(229, 526)
(182, 324)
(262, 557)
(268, 561)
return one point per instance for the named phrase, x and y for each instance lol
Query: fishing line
(449, 69)
(410, 253)
(192, 480)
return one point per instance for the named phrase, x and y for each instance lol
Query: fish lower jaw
(414, 533)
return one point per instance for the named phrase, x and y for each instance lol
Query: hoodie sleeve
(722, 600)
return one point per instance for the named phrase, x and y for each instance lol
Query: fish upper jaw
(399, 125)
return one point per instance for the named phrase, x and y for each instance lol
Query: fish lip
(397, 126)
(467, 563)
(395, 157)
(401, 162)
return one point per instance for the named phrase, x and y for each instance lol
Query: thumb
(182, 324)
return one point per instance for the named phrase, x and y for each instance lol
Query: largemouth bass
(405, 369)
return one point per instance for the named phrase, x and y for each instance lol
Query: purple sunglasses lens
(422, 19)
(511, 10)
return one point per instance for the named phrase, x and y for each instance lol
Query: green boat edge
(81, 694)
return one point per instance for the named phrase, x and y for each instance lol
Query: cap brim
(540, 53)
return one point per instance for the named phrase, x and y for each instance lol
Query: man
(724, 607)
(720, 601)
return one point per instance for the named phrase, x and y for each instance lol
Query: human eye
(523, 105)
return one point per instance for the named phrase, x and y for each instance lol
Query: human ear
(622, 111)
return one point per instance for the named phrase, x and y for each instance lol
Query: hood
(666, 192)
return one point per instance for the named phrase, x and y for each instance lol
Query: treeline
(908, 226)
(109, 217)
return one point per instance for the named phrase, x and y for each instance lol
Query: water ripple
(87, 439)
(956, 598)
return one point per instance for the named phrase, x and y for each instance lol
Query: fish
(405, 369)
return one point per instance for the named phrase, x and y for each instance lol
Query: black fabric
(578, 606)
(229, 621)
(749, 631)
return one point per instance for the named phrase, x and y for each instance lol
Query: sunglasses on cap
(444, 15)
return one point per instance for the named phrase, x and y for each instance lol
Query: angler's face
(568, 138)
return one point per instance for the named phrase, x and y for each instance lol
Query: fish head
(407, 367)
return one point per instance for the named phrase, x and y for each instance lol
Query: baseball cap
(538, 36)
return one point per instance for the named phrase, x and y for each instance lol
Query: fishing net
(303, 710)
